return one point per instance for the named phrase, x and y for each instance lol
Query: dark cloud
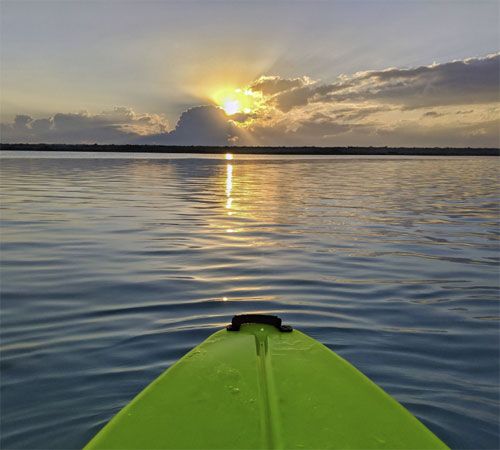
(294, 97)
(358, 112)
(469, 81)
(431, 114)
(270, 85)
(201, 125)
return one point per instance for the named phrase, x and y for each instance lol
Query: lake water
(113, 267)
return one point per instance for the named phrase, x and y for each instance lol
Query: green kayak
(261, 385)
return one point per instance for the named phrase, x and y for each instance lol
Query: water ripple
(113, 268)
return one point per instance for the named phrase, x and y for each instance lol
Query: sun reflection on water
(229, 185)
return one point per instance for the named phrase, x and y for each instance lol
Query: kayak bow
(259, 384)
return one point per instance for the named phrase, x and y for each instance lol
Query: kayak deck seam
(269, 419)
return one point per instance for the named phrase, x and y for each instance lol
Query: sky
(325, 73)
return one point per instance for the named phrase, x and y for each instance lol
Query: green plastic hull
(259, 388)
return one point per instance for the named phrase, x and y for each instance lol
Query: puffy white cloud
(120, 125)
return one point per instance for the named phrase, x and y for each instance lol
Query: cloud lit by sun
(234, 101)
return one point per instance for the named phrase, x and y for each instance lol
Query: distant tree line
(417, 151)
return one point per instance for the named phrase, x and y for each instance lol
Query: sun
(234, 101)
(231, 106)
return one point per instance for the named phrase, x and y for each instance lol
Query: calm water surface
(113, 268)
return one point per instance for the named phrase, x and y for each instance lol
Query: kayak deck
(262, 388)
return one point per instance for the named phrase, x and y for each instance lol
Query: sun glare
(231, 106)
(234, 101)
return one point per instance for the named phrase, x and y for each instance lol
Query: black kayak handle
(266, 319)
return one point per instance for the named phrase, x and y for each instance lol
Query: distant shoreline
(379, 151)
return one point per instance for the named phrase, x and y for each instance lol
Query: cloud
(407, 133)
(118, 126)
(431, 114)
(464, 82)
(270, 85)
(447, 104)
(382, 107)
(201, 125)
(357, 112)
(454, 134)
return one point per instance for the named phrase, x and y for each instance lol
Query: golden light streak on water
(229, 185)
